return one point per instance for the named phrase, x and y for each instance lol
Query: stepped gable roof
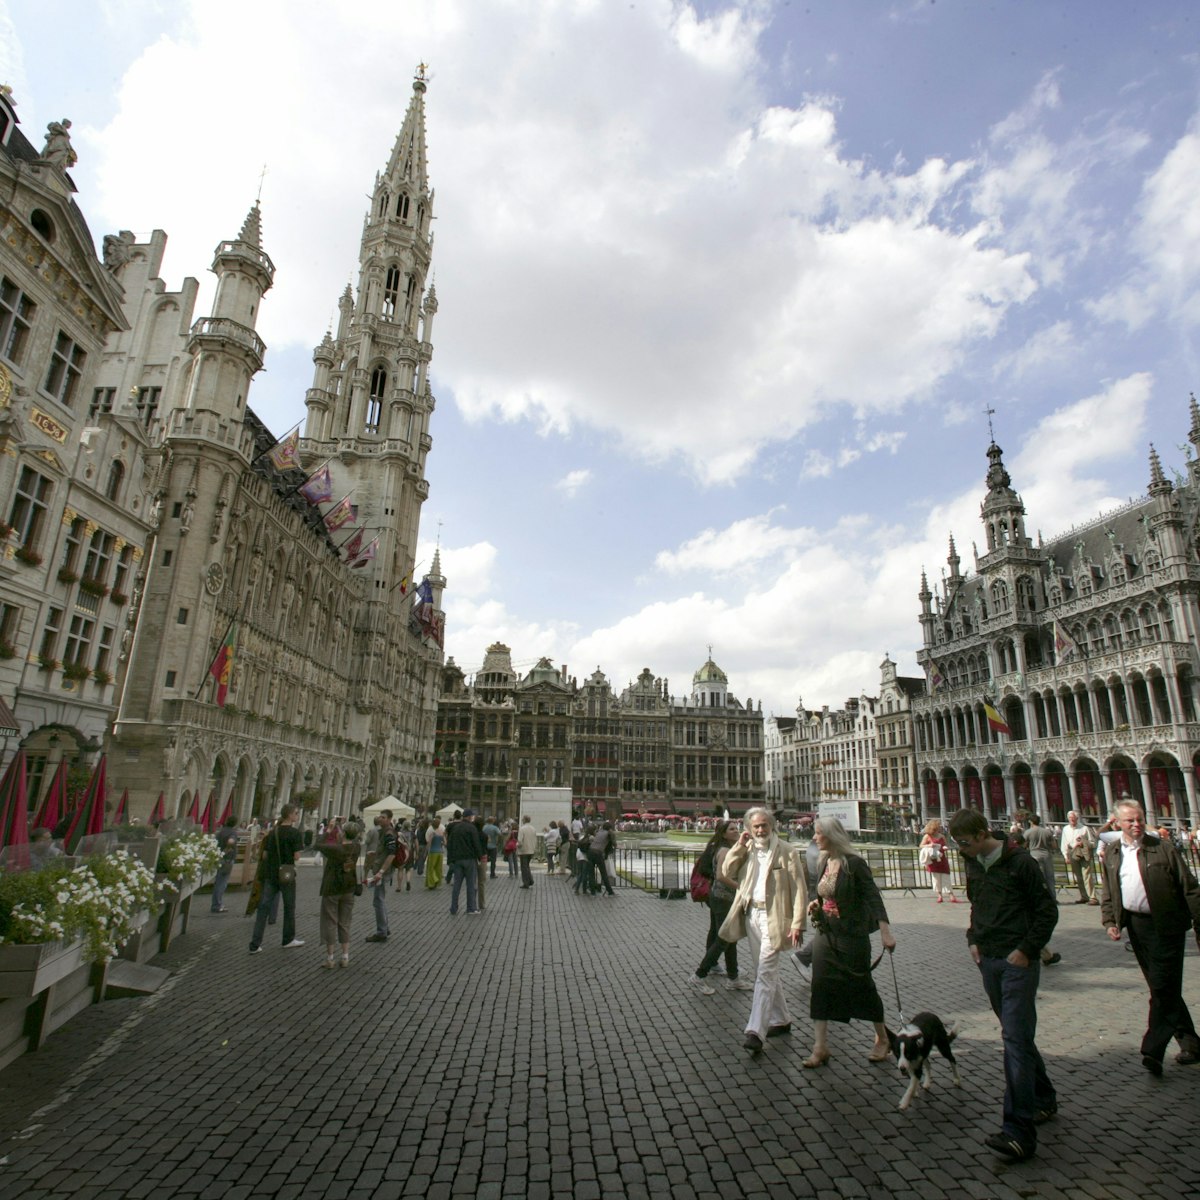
(284, 483)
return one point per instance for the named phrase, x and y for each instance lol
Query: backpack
(701, 883)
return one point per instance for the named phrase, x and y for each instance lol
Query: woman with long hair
(846, 910)
(721, 895)
(339, 886)
(935, 859)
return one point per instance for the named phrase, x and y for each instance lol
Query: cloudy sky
(725, 289)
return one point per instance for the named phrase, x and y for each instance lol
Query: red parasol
(227, 811)
(206, 819)
(157, 814)
(194, 811)
(119, 816)
(14, 809)
(89, 818)
(50, 813)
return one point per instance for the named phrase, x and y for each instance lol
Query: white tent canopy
(392, 804)
(449, 811)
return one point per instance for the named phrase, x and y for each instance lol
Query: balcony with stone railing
(224, 330)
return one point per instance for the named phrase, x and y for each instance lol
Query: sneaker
(1007, 1147)
(376, 937)
(293, 943)
(1054, 958)
(1046, 1113)
(345, 960)
(702, 986)
(717, 970)
(738, 984)
(218, 910)
(472, 912)
(255, 949)
(328, 964)
(1153, 1065)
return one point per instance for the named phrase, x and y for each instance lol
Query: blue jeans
(263, 911)
(379, 896)
(1012, 992)
(219, 885)
(463, 869)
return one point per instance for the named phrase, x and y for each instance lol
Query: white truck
(545, 804)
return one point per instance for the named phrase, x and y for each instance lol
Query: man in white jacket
(1077, 846)
(769, 908)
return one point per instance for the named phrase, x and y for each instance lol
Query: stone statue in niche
(188, 513)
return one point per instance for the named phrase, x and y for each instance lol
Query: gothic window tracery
(391, 292)
(375, 399)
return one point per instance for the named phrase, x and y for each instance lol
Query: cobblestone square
(550, 1047)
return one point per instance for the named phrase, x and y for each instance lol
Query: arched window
(116, 474)
(1000, 596)
(384, 200)
(391, 292)
(410, 302)
(375, 400)
(402, 206)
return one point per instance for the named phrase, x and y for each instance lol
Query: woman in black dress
(845, 912)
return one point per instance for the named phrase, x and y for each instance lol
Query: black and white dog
(914, 1045)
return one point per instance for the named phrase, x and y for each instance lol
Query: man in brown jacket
(1148, 888)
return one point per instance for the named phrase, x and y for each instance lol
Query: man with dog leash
(1012, 917)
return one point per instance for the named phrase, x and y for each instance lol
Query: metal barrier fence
(667, 870)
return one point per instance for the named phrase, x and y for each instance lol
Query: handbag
(701, 885)
(1081, 851)
(287, 874)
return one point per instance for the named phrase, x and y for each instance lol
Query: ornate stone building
(640, 751)
(1086, 646)
(894, 749)
(150, 525)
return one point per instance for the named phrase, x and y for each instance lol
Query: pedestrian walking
(934, 858)
(464, 848)
(227, 839)
(435, 853)
(491, 835)
(1012, 918)
(280, 852)
(380, 873)
(526, 848)
(1078, 846)
(769, 909)
(339, 888)
(721, 893)
(1149, 889)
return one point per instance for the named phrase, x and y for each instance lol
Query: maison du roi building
(1086, 647)
(637, 751)
(147, 524)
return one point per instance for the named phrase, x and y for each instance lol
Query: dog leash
(896, 985)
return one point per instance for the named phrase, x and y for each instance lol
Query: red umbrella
(119, 817)
(14, 810)
(89, 818)
(206, 820)
(227, 811)
(194, 811)
(156, 813)
(49, 814)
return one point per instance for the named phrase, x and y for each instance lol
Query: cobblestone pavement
(550, 1048)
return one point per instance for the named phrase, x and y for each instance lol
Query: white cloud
(688, 195)
(731, 549)
(570, 483)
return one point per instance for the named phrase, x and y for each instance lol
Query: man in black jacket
(465, 846)
(1012, 917)
(1148, 887)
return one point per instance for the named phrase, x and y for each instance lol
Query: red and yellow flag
(222, 666)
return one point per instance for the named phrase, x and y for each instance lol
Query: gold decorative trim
(48, 425)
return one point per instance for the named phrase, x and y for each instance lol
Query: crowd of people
(767, 892)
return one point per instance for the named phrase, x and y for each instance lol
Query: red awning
(8, 722)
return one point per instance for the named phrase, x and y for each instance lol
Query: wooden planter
(28, 970)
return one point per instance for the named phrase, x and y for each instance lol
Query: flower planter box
(28, 970)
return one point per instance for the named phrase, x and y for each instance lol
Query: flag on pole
(318, 487)
(996, 723)
(354, 546)
(1064, 645)
(367, 555)
(222, 666)
(404, 585)
(936, 678)
(285, 453)
(342, 513)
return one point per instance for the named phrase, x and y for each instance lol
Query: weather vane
(261, 176)
(991, 412)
